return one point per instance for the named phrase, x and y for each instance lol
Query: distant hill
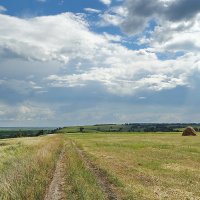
(131, 127)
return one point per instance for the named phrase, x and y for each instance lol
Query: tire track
(102, 179)
(55, 191)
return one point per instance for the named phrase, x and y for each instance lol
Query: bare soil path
(55, 190)
(103, 181)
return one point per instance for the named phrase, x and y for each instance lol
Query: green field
(131, 127)
(94, 166)
(14, 132)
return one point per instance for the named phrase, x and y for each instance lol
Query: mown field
(94, 166)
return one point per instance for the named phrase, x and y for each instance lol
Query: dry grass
(135, 166)
(27, 165)
(148, 166)
(80, 181)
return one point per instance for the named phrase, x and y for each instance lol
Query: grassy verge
(80, 181)
(27, 165)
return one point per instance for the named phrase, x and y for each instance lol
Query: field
(131, 127)
(90, 166)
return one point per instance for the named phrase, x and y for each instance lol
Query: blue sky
(49, 7)
(66, 62)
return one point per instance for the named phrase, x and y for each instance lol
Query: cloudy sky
(68, 62)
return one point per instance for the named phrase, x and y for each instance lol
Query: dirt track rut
(55, 190)
(102, 179)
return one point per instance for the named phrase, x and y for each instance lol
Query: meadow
(90, 166)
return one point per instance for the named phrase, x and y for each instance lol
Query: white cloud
(90, 57)
(140, 12)
(114, 38)
(92, 10)
(177, 36)
(108, 19)
(131, 72)
(47, 38)
(2, 9)
(113, 16)
(59, 59)
(106, 2)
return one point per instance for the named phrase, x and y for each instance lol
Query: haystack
(189, 131)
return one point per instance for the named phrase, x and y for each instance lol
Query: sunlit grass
(149, 166)
(27, 165)
(81, 183)
(138, 166)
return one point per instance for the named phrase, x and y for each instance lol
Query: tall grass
(29, 171)
(81, 183)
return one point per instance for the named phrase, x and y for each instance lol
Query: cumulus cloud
(177, 36)
(167, 26)
(176, 24)
(140, 12)
(106, 2)
(59, 59)
(129, 77)
(61, 37)
(89, 57)
(113, 16)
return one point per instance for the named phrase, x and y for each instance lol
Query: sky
(75, 62)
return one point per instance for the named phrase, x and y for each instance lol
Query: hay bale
(189, 131)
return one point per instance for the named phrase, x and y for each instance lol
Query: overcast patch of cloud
(176, 23)
(177, 36)
(22, 87)
(25, 111)
(140, 12)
